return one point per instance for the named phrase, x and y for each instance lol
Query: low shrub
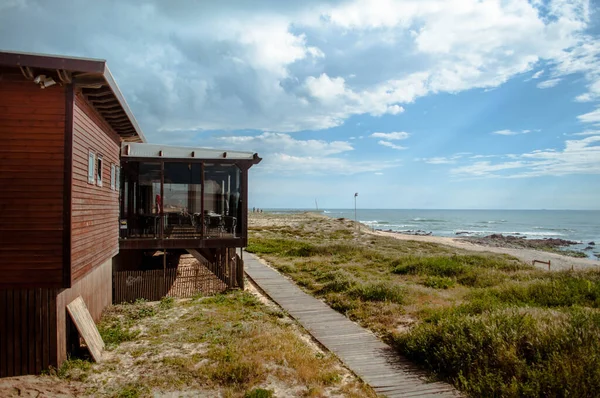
(337, 280)
(511, 352)
(379, 291)
(166, 303)
(115, 333)
(259, 393)
(560, 290)
(439, 282)
(74, 369)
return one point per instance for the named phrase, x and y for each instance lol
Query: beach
(557, 261)
(478, 316)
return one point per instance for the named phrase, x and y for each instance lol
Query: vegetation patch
(487, 323)
(228, 345)
(511, 352)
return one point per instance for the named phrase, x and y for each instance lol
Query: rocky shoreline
(555, 245)
(520, 242)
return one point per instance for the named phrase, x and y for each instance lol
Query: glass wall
(140, 199)
(191, 205)
(222, 195)
(182, 199)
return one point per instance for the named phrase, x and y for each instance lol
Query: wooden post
(165, 271)
(162, 199)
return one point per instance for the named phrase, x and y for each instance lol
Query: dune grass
(229, 345)
(487, 323)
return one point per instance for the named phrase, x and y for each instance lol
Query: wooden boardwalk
(360, 350)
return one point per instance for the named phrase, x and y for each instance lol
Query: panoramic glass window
(222, 195)
(141, 199)
(182, 198)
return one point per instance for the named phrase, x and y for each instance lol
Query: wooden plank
(368, 357)
(3, 334)
(31, 305)
(38, 331)
(86, 327)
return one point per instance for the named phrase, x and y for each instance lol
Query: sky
(443, 104)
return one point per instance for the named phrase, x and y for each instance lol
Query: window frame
(99, 169)
(91, 167)
(113, 175)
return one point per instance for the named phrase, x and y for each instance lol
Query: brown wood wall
(95, 210)
(34, 323)
(32, 131)
(96, 290)
(28, 332)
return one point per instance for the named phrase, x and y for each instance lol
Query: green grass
(564, 289)
(259, 393)
(225, 345)
(511, 352)
(439, 282)
(487, 323)
(74, 369)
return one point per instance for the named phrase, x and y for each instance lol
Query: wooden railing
(206, 278)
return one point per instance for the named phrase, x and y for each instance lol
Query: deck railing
(184, 281)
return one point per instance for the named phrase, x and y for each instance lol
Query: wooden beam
(99, 93)
(116, 118)
(68, 184)
(102, 101)
(109, 111)
(108, 106)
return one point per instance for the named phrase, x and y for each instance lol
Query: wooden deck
(388, 373)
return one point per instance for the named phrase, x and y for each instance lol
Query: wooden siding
(94, 209)
(32, 131)
(96, 290)
(27, 331)
(34, 329)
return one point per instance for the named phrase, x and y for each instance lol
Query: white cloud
(591, 117)
(444, 159)
(578, 157)
(510, 132)
(292, 66)
(548, 83)
(588, 132)
(397, 135)
(394, 109)
(289, 164)
(440, 160)
(391, 145)
(284, 143)
(538, 74)
(284, 154)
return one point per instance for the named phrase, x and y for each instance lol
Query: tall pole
(355, 219)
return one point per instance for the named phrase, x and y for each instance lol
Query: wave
(427, 219)
(491, 222)
(532, 233)
(514, 233)
(555, 229)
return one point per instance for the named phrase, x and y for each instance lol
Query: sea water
(582, 226)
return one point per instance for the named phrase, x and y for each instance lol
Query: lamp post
(355, 219)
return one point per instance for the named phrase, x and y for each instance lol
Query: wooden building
(176, 199)
(62, 123)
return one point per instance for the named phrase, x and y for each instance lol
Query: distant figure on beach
(254, 210)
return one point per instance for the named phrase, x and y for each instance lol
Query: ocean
(582, 226)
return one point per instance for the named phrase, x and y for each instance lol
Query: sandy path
(559, 262)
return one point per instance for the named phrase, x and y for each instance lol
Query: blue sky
(413, 104)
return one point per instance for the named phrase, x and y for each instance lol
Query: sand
(558, 262)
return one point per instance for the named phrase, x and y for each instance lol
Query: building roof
(92, 76)
(137, 150)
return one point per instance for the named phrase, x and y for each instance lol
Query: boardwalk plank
(374, 361)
